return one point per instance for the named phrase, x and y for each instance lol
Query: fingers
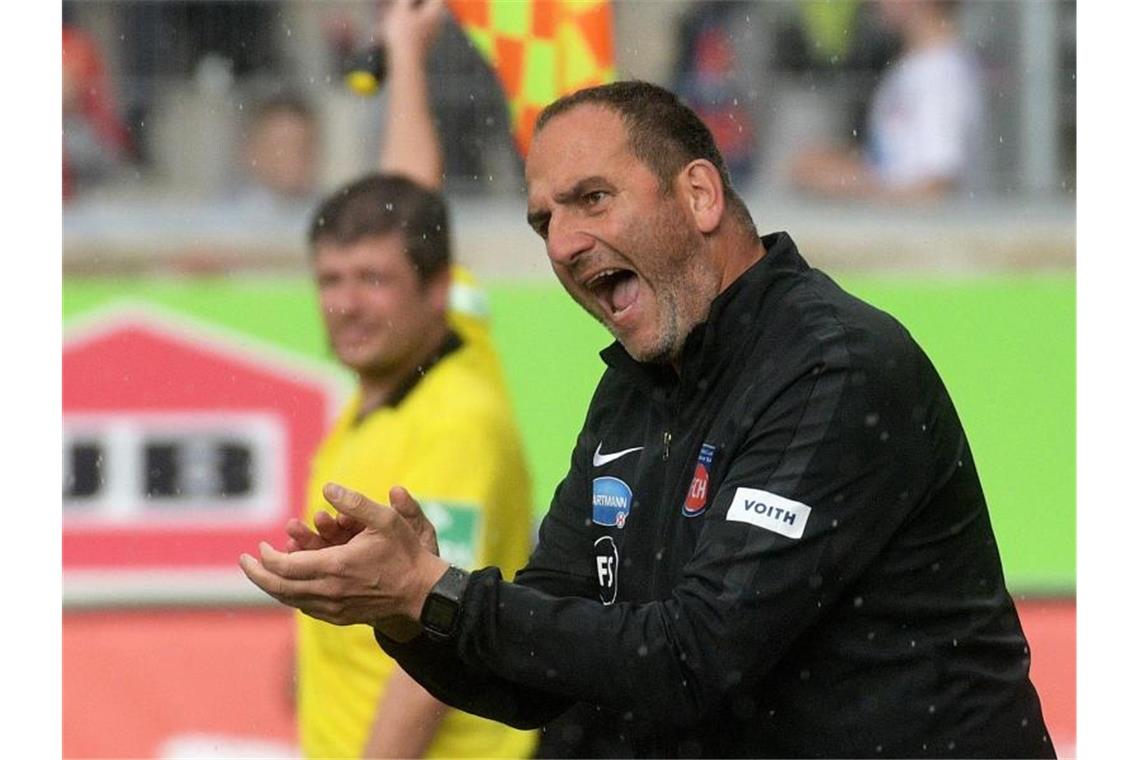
(302, 538)
(356, 506)
(297, 594)
(299, 566)
(407, 507)
(337, 530)
(281, 589)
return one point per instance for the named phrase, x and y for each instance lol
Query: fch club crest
(697, 497)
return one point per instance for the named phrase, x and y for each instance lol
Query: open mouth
(615, 289)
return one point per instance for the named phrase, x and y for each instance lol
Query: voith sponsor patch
(769, 511)
(697, 497)
(612, 501)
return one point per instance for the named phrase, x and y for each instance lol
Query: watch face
(441, 608)
(438, 615)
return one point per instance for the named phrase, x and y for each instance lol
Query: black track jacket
(784, 552)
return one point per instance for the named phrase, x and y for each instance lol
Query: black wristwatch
(440, 614)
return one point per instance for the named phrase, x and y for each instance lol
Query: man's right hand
(409, 27)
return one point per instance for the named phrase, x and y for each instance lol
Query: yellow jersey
(452, 442)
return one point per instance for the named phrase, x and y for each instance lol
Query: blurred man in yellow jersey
(430, 412)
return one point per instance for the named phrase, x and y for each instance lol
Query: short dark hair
(663, 133)
(380, 204)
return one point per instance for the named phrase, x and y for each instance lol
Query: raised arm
(410, 145)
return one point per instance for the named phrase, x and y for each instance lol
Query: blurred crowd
(243, 104)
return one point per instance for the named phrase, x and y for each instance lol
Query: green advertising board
(1005, 346)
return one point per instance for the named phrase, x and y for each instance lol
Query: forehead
(588, 140)
(283, 122)
(372, 251)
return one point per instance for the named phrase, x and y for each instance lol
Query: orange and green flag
(540, 49)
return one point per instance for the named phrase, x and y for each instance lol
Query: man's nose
(342, 299)
(565, 240)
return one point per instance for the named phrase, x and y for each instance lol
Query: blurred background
(198, 137)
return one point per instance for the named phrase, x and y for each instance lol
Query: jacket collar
(729, 329)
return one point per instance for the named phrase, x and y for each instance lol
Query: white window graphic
(164, 467)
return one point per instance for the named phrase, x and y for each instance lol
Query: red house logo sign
(182, 447)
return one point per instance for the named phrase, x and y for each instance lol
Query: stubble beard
(685, 287)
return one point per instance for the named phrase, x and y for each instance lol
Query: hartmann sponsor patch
(612, 501)
(769, 511)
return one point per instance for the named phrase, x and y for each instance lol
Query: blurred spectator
(925, 116)
(168, 40)
(840, 43)
(281, 158)
(705, 79)
(832, 35)
(95, 141)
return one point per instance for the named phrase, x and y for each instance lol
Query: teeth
(599, 276)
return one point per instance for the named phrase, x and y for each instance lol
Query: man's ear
(700, 185)
(438, 290)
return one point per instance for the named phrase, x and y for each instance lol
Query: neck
(378, 386)
(738, 252)
(733, 253)
(930, 31)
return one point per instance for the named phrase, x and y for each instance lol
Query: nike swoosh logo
(600, 458)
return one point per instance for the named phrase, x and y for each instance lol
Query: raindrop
(642, 650)
(858, 601)
(388, 206)
(871, 419)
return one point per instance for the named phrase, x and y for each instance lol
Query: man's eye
(594, 198)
